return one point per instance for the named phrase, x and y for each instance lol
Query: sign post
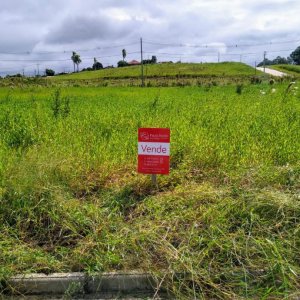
(154, 179)
(154, 151)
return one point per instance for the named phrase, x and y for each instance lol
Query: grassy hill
(169, 69)
(292, 70)
(163, 75)
(169, 74)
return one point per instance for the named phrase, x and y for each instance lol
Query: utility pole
(255, 67)
(38, 68)
(240, 58)
(142, 67)
(265, 53)
(23, 72)
(218, 57)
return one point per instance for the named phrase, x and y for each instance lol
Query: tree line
(294, 59)
(97, 65)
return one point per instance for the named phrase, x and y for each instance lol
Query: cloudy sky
(39, 34)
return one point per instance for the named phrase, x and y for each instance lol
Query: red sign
(154, 150)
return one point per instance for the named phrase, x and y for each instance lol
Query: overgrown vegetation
(224, 224)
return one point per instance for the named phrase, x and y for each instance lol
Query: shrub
(122, 63)
(49, 72)
(60, 106)
(97, 65)
(239, 89)
(255, 80)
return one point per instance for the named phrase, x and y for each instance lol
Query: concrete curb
(81, 283)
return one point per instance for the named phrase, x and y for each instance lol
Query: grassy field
(224, 224)
(158, 75)
(289, 69)
(161, 75)
(163, 70)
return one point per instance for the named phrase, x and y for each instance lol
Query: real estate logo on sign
(154, 150)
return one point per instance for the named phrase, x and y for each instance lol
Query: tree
(295, 56)
(49, 72)
(76, 60)
(153, 60)
(87, 69)
(122, 63)
(124, 54)
(289, 60)
(280, 61)
(97, 65)
(277, 61)
(73, 57)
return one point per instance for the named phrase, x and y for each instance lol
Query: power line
(214, 54)
(146, 52)
(67, 59)
(215, 45)
(67, 51)
(205, 45)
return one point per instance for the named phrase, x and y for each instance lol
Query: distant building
(134, 63)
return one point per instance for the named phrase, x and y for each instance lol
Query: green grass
(224, 224)
(158, 75)
(162, 70)
(292, 70)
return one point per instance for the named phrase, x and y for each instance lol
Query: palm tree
(73, 57)
(76, 60)
(124, 54)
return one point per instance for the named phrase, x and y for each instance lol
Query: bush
(153, 60)
(239, 89)
(87, 69)
(272, 81)
(49, 72)
(97, 66)
(255, 80)
(60, 106)
(122, 63)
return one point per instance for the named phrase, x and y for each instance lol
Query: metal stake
(154, 179)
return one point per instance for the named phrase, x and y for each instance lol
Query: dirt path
(272, 72)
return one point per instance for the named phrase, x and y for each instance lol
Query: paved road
(272, 72)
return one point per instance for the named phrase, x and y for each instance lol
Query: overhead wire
(213, 55)
(145, 41)
(67, 59)
(28, 52)
(215, 45)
